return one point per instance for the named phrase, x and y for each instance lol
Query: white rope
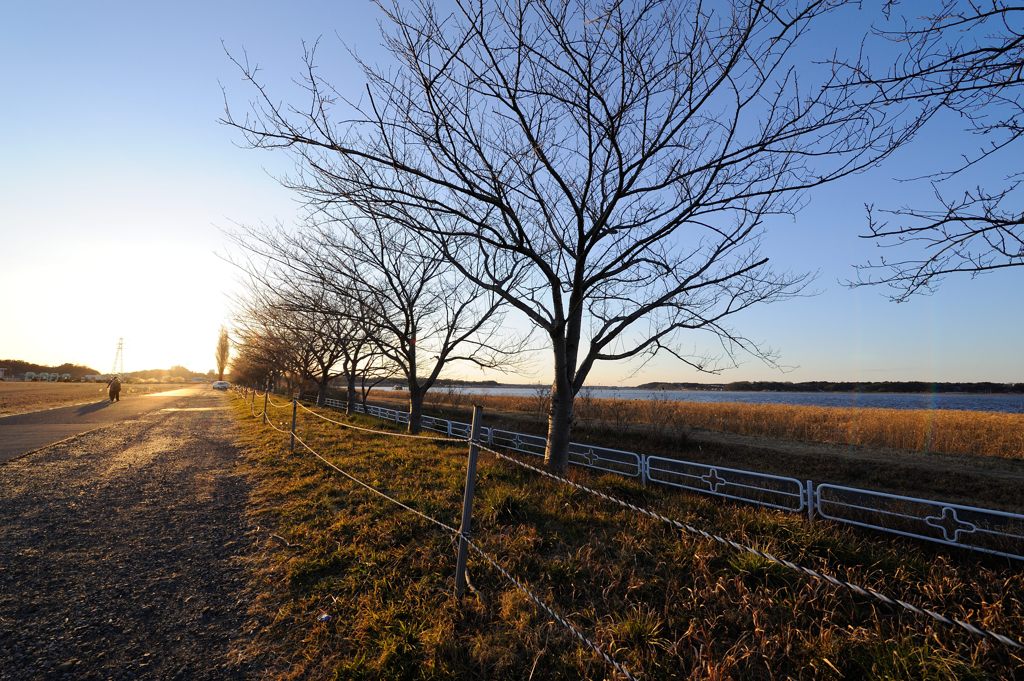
(835, 581)
(275, 404)
(428, 438)
(280, 430)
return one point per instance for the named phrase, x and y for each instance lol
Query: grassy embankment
(20, 397)
(664, 604)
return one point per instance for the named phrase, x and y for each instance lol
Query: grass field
(355, 588)
(19, 397)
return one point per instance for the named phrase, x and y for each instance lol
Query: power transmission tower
(119, 358)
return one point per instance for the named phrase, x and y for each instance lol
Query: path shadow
(91, 408)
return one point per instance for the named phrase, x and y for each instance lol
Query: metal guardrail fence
(977, 529)
(773, 491)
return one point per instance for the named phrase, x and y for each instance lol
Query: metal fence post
(295, 411)
(810, 501)
(467, 502)
(266, 393)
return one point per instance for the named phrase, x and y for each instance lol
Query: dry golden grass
(666, 605)
(940, 431)
(20, 397)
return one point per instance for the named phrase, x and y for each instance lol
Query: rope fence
(537, 600)
(687, 528)
(275, 404)
(835, 581)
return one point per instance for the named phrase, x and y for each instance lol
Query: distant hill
(843, 387)
(175, 372)
(16, 367)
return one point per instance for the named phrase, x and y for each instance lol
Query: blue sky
(116, 177)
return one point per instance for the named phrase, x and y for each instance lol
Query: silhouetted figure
(115, 389)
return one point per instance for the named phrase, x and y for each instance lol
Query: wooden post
(266, 393)
(295, 409)
(467, 503)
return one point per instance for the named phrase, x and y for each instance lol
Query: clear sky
(115, 180)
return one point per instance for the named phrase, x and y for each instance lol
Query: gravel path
(121, 552)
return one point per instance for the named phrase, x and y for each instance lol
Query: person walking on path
(114, 387)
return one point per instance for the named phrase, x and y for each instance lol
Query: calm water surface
(1013, 404)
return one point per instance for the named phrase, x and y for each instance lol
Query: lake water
(1013, 404)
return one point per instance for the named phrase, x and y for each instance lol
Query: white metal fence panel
(773, 491)
(435, 424)
(520, 442)
(979, 529)
(608, 460)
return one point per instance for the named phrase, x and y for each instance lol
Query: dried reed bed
(918, 430)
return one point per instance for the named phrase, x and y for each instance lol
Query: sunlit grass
(664, 604)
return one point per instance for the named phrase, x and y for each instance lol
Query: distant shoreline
(904, 387)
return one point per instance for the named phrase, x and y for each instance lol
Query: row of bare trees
(360, 299)
(604, 170)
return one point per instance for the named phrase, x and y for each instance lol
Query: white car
(221, 385)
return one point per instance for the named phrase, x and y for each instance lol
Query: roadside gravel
(122, 552)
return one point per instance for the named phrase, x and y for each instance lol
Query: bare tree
(427, 315)
(967, 57)
(400, 308)
(221, 355)
(263, 359)
(605, 169)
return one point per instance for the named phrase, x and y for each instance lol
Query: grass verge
(353, 587)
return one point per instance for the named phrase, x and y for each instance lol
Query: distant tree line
(17, 366)
(874, 387)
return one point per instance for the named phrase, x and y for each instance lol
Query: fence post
(295, 411)
(252, 399)
(266, 392)
(467, 502)
(810, 501)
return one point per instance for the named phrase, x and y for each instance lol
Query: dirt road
(25, 432)
(121, 551)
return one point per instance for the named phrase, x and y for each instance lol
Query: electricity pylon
(119, 359)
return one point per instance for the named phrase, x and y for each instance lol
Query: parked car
(221, 385)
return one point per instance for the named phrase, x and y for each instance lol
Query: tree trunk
(415, 409)
(321, 395)
(350, 405)
(556, 455)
